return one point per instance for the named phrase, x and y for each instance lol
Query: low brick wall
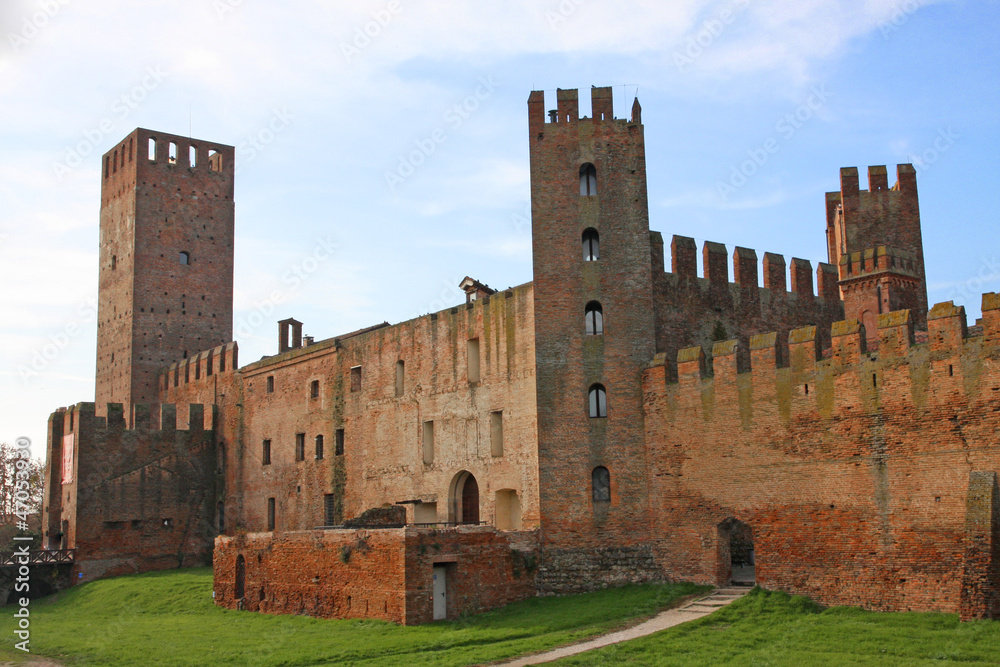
(384, 573)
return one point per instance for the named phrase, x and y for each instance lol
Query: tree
(21, 489)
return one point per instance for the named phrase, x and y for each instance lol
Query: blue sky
(321, 113)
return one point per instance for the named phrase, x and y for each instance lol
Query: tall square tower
(166, 259)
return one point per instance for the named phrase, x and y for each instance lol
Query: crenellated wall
(130, 499)
(865, 477)
(692, 310)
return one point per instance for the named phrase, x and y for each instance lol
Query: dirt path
(665, 619)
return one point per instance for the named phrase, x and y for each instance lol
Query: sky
(395, 133)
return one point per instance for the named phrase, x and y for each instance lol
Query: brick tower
(166, 260)
(873, 237)
(594, 334)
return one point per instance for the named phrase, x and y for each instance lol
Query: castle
(608, 422)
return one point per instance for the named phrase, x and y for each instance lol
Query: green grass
(167, 618)
(767, 628)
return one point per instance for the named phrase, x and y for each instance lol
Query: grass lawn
(767, 628)
(167, 618)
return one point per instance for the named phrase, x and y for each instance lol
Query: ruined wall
(853, 471)
(384, 573)
(692, 310)
(130, 499)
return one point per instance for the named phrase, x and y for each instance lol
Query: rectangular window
(314, 389)
(331, 510)
(319, 447)
(356, 378)
(338, 445)
(399, 378)
(270, 384)
(300, 446)
(270, 513)
(496, 433)
(472, 349)
(428, 442)
(266, 453)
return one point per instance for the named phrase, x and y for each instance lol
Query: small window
(356, 378)
(472, 350)
(214, 160)
(600, 480)
(300, 446)
(270, 384)
(270, 514)
(591, 245)
(588, 180)
(319, 447)
(172, 153)
(221, 512)
(314, 389)
(400, 376)
(107, 166)
(193, 156)
(428, 442)
(168, 523)
(594, 317)
(265, 456)
(598, 401)
(338, 444)
(114, 163)
(185, 258)
(114, 262)
(152, 149)
(496, 433)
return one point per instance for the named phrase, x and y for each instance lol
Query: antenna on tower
(190, 122)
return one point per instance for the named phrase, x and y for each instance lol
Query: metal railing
(38, 557)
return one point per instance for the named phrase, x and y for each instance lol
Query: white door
(440, 593)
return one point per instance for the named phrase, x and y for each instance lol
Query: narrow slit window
(496, 433)
(270, 514)
(400, 377)
(427, 444)
(114, 163)
(598, 401)
(472, 350)
(338, 442)
(270, 384)
(356, 378)
(314, 389)
(300, 446)
(591, 245)
(265, 456)
(193, 156)
(600, 480)
(319, 447)
(172, 153)
(588, 180)
(152, 149)
(594, 316)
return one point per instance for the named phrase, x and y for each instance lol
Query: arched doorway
(737, 558)
(464, 497)
(241, 578)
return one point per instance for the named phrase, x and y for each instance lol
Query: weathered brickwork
(130, 499)
(382, 573)
(821, 431)
(853, 472)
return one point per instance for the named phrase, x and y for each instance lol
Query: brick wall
(384, 573)
(852, 471)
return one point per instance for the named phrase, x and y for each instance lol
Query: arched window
(185, 258)
(598, 401)
(600, 484)
(595, 319)
(588, 180)
(591, 245)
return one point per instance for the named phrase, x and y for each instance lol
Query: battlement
(568, 108)
(683, 255)
(201, 367)
(882, 259)
(801, 353)
(82, 418)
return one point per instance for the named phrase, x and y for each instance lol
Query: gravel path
(665, 619)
